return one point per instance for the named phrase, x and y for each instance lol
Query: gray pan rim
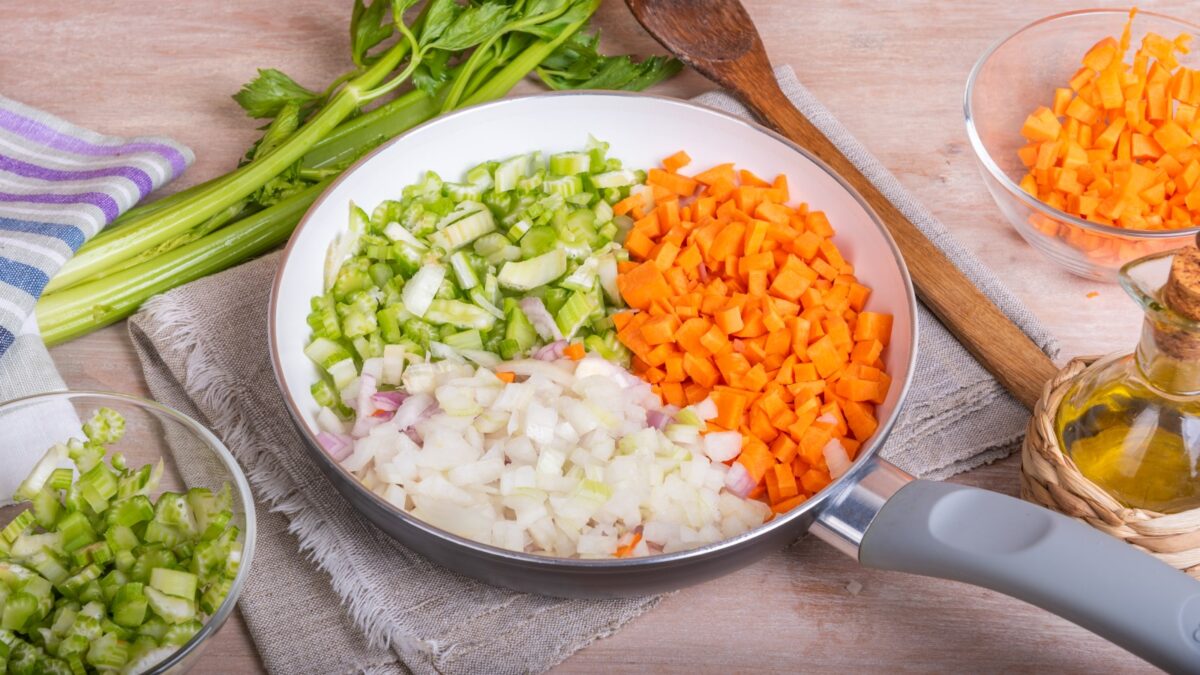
(630, 564)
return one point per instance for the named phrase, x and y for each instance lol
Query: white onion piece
(738, 480)
(722, 446)
(535, 310)
(337, 445)
(412, 410)
(836, 457)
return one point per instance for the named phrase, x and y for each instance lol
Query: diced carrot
(748, 301)
(676, 161)
(574, 351)
(1115, 146)
(643, 284)
(680, 185)
(784, 448)
(626, 549)
(673, 394)
(873, 326)
(755, 458)
(789, 504)
(506, 376)
(730, 408)
(786, 482)
(660, 329)
(814, 480)
(721, 172)
(866, 351)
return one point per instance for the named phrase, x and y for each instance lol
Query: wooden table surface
(893, 72)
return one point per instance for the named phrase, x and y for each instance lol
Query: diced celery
(130, 511)
(614, 179)
(470, 221)
(509, 172)
(468, 339)
(212, 512)
(74, 585)
(98, 552)
(60, 479)
(575, 312)
(41, 472)
(422, 287)
(121, 538)
(180, 633)
(47, 564)
(173, 509)
(343, 372)
(17, 526)
(519, 229)
(108, 652)
(76, 531)
(480, 297)
(160, 533)
(564, 186)
(463, 272)
(538, 240)
(19, 608)
(325, 352)
(529, 274)
(148, 557)
(214, 594)
(490, 243)
(570, 163)
(459, 314)
(172, 609)
(129, 605)
(173, 582)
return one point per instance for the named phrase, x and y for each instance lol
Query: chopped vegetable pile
(1119, 145)
(748, 302)
(519, 254)
(571, 458)
(474, 340)
(96, 575)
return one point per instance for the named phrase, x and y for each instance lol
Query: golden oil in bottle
(1132, 423)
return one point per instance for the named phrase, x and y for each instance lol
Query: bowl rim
(826, 494)
(249, 515)
(985, 157)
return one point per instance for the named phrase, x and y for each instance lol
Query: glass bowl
(1013, 78)
(191, 454)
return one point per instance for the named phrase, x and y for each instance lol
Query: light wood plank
(894, 75)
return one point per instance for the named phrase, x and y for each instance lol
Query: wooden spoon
(718, 39)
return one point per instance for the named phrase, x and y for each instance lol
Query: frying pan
(875, 513)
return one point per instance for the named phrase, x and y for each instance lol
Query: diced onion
(565, 461)
(836, 457)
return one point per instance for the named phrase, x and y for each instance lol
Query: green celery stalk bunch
(449, 55)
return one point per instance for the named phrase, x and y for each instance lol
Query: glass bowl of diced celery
(126, 535)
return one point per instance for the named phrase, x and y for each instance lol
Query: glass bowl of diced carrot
(1086, 126)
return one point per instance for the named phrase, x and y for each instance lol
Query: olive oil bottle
(1131, 423)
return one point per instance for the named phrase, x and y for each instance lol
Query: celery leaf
(267, 94)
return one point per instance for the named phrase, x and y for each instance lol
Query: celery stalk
(98, 299)
(84, 308)
(159, 226)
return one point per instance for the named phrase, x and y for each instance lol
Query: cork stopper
(1182, 294)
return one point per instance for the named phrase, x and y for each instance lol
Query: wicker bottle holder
(1049, 478)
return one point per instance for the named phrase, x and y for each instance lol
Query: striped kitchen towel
(59, 185)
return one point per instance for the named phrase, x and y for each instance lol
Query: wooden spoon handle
(990, 336)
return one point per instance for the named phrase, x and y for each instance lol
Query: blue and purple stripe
(47, 210)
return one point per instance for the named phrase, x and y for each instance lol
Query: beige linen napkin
(329, 593)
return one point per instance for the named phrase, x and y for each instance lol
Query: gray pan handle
(1016, 548)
